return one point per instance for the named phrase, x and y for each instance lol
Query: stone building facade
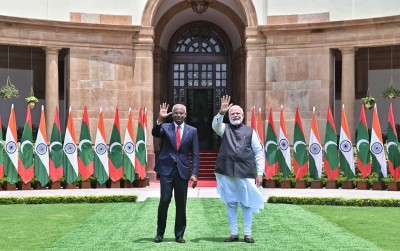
(176, 55)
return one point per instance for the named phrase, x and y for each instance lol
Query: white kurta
(242, 190)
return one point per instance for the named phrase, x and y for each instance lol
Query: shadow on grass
(196, 240)
(208, 239)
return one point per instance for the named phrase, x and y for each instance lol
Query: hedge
(67, 199)
(335, 201)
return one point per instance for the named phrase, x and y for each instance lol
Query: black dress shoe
(180, 240)
(232, 238)
(158, 238)
(248, 239)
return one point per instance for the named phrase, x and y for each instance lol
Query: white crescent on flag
(24, 143)
(327, 144)
(53, 144)
(83, 141)
(138, 144)
(298, 143)
(114, 144)
(361, 141)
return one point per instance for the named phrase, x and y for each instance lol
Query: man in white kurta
(239, 161)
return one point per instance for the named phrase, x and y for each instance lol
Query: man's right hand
(163, 112)
(225, 104)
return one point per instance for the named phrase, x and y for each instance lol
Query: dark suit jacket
(169, 155)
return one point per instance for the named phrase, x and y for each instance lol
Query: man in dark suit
(173, 166)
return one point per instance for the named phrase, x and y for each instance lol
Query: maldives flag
(363, 153)
(140, 158)
(260, 129)
(300, 160)
(115, 157)
(85, 152)
(253, 118)
(1, 150)
(331, 150)
(346, 148)
(101, 169)
(393, 147)
(376, 147)
(41, 152)
(56, 151)
(315, 150)
(129, 150)
(271, 162)
(11, 156)
(25, 162)
(284, 149)
(71, 153)
(145, 133)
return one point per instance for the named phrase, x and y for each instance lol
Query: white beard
(236, 122)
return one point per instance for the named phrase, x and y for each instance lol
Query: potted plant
(391, 92)
(32, 100)
(390, 183)
(360, 183)
(375, 181)
(9, 90)
(368, 102)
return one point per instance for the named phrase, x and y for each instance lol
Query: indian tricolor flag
(1, 151)
(260, 128)
(331, 163)
(300, 160)
(284, 148)
(346, 148)
(42, 153)
(85, 152)
(140, 158)
(115, 158)
(56, 150)
(271, 162)
(11, 156)
(376, 147)
(363, 153)
(393, 147)
(25, 162)
(315, 150)
(71, 153)
(129, 150)
(101, 169)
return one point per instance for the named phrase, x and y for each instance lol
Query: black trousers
(169, 183)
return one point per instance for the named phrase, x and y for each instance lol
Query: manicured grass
(35, 227)
(132, 226)
(380, 226)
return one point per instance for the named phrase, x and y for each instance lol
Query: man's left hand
(259, 180)
(193, 180)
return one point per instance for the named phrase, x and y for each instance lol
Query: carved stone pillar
(255, 85)
(143, 81)
(51, 86)
(348, 86)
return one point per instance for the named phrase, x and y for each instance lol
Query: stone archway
(152, 7)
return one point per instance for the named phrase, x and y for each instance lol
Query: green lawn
(132, 226)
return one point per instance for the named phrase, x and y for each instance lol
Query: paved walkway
(153, 191)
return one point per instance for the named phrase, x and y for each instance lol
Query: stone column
(51, 86)
(255, 72)
(143, 80)
(348, 86)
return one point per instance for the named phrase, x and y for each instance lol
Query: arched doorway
(200, 73)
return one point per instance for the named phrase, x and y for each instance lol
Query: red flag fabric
(253, 118)
(25, 161)
(56, 153)
(260, 128)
